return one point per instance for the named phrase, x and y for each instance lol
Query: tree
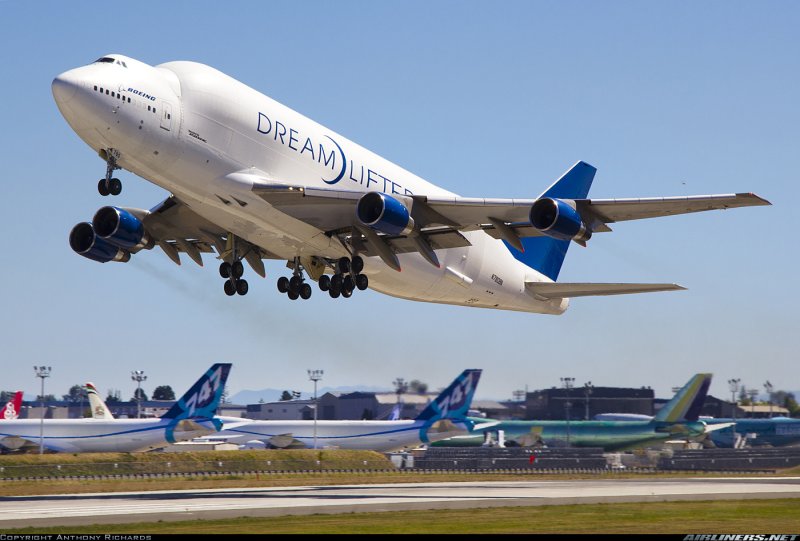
(163, 392)
(6, 396)
(416, 386)
(74, 395)
(47, 398)
(114, 396)
(139, 394)
(286, 395)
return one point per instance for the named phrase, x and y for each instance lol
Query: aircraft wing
(176, 229)
(441, 219)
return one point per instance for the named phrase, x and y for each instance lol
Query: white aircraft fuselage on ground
(243, 167)
(101, 435)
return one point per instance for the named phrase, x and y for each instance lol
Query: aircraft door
(166, 116)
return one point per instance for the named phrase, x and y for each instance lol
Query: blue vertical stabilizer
(546, 254)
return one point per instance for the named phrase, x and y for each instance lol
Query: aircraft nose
(65, 86)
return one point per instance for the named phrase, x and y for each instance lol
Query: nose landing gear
(110, 185)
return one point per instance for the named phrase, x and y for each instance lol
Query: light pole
(587, 390)
(768, 387)
(315, 376)
(567, 383)
(42, 372)
(138, 376)
(733, 385)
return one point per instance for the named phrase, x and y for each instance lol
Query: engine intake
(384, 213)
(120, 227)
(558, 219)
(84, 241)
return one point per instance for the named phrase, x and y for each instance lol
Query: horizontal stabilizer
(555, 290)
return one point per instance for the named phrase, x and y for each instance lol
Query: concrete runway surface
(119, 507)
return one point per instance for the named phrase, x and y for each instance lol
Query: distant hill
(273, 395)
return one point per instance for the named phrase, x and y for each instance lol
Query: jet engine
(384, 213)
(85, 242)
(558, 219)
(121, 228)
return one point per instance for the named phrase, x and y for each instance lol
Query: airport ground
(778, 514)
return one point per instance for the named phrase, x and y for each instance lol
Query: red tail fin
(11, 409)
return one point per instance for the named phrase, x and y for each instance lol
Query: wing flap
(558, 290)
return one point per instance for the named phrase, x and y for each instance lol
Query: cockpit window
(105, 59)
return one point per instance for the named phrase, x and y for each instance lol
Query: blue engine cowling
(83, 240)
(384, 213)
(120, 227)
(556, 218)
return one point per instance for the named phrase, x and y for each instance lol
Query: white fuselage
(100, 435)
(372, 435)
(184, 126)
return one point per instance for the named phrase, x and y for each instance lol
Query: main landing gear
(296, 286)
(346, 279)
(108, 185)
(234, 283)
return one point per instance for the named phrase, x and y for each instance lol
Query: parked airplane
(191, 416)
(97, 404)
(11, 408)
(442, 418)
(676, 420)
(774, 432)
(252, 179)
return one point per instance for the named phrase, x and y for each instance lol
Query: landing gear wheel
(334, 292)
(295, 282)
(230, 289)
(293, 295)
(336, 281)
(115, 186)
(225, 269)
(324, 282)
(305, 291)
(348, 283)
(242, 287)
(346, 293)
(102, 187)
(357, 264)
(283, 284)
(343, 265)
(362, 282)
(237, 269)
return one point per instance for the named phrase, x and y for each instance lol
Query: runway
(119, 507)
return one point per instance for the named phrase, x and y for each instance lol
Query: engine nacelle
(384, 213)
(83, 240)
(120, 227)
(558, 219)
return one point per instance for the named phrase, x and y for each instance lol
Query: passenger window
(95, 88)
(106, 92)
(148, 107)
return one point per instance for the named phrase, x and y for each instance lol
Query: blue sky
(484, 99)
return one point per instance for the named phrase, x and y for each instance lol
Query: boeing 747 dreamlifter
(252, 179)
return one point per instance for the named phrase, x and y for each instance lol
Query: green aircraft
(678, 419)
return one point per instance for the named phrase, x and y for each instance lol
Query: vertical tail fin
(453, 402)
(97, 404)
(546, 254)
(686, 404)
(12, 407)
(203, 398)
